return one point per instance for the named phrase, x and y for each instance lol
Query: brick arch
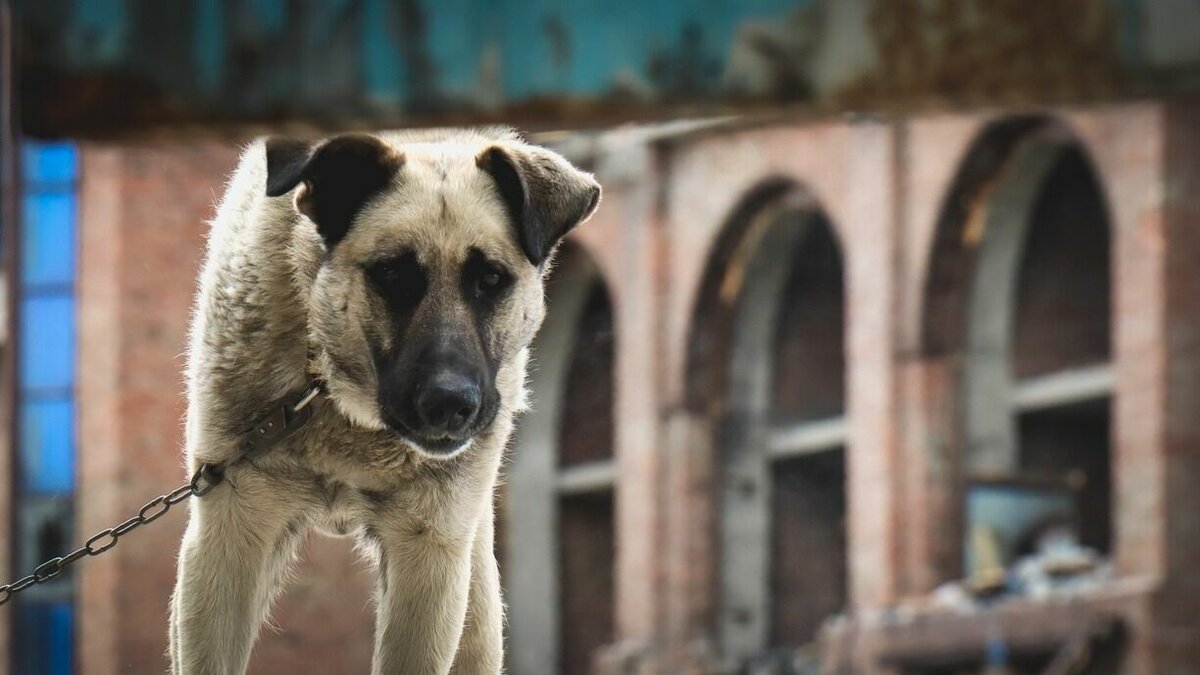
(533, 549)
(994, 153)
(969, 300)
(738, 314)
(708, 335)
(951, 261)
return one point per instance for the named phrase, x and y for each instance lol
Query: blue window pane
(47, 344)
(45, 623)
(48, 238)
(49, 162)
(47, 445)
(45, 638)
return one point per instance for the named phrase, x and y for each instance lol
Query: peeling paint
(110, 67)
(991, 51)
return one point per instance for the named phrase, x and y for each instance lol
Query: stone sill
(932, 637)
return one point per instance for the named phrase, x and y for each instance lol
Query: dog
(404, 273)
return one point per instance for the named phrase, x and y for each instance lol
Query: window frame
(995, 398)
(751, 443)
(44, 346)
(536, 484)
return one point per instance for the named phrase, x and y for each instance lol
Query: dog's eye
(483, 279)
(490, 280)
(400, 280)
(387, 273)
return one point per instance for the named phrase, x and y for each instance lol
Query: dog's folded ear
(339, 176)
(544, 194)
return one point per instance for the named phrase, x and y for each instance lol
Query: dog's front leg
(425, 573)
(236, 548)
(481, 651)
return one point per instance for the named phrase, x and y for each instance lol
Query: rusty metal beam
(104, 68)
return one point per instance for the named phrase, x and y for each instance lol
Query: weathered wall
(883, 185)
(120, 68)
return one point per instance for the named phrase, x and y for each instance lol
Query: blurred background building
(881, 354)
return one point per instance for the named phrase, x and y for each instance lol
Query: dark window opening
(809, 339)
(586, 528)
(587, 416)
(1072, 444)
(808, 563)
(808, 506)
(1062, 323)
(587, 556)
(1063, 293)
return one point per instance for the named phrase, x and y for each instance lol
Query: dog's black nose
(447, 403)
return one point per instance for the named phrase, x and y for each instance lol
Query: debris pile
(1060, 567)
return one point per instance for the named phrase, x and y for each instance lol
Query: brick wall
(669, 206)
(905, 393)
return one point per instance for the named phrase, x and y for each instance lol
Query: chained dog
(402, 273)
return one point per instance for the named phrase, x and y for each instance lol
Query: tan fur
(270, 297)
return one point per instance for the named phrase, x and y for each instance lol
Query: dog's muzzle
(447, 404)
(441, 412)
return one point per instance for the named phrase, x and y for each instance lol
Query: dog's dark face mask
(435, 358)
(430, 288)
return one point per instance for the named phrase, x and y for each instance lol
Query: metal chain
(284, 420)
(108, 537)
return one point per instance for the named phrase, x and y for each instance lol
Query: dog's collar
(288, 415)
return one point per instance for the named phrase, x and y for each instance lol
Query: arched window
(1028, 239)
(559, 535)
(1061, 344)
(1038, 379)
(782, 510)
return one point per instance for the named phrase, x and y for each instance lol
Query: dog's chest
(344, 508)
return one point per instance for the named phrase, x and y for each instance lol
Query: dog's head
(431, 284)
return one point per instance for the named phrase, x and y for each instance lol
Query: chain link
(107, 538)
(268, 432)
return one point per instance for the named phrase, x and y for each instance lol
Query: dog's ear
(339, 176)
(544, 194)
